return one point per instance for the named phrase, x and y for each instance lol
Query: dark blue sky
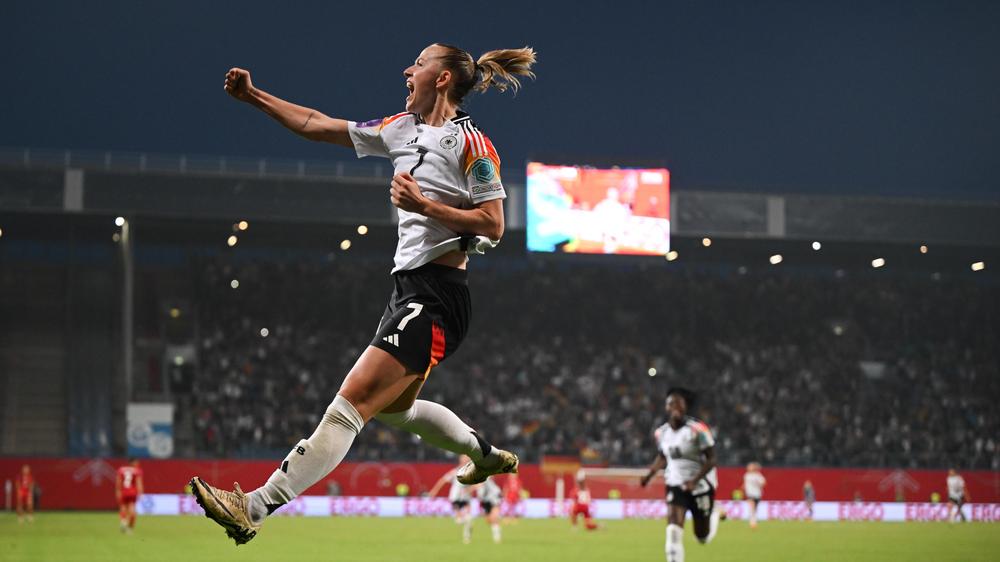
(877, 97)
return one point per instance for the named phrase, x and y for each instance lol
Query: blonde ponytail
(495, 69)
(500, 68)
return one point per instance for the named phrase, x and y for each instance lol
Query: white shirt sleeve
(367, 137)
(482, 169)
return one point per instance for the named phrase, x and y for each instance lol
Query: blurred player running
(489, 495)
(809, 496)
(687, 450)
(957, 496)
(581, 503)
(25, 484)
(128, 488)
(753, 486)
(447, 189)
(460, 497)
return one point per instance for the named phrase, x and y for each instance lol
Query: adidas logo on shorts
(393, 339)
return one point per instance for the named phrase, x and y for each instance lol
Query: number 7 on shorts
(417, 307)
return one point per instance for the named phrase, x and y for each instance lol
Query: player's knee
(341, 412)
(396, 419)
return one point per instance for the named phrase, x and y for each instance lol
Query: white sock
(467, 529)
(440, 427)
(496, 532)
(675, 543)
(310, 460)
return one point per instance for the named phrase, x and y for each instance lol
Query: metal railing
(149, 162)
(146, 162)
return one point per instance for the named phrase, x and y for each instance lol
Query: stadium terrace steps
(34, 396)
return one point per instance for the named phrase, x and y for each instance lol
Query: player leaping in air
(686, 448)
(447, 189)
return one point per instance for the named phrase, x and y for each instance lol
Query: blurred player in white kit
(753, 487)
(957, 496)
(490, 495)
(687, 450)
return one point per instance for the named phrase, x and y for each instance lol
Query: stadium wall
(82, 483)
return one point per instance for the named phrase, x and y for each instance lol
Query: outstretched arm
(303, 121)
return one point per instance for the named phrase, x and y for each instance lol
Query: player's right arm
(303, 121)
(118, 487)
(658, 464)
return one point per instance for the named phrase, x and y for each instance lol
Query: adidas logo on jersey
(393, 339)
(414, 141)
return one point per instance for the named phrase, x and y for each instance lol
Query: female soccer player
(459, 495)
(490, 495)
(581, 503)
(25, 503)
(809, 496)
(448, 191)
(957, 495)
(687, 450)
(128, 490)
(753, 485)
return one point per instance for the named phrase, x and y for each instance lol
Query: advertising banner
(150, 430)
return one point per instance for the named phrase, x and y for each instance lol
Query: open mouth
(409, 87)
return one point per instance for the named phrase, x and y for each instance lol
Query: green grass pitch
(95, 536)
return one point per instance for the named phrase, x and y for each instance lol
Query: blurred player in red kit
(511, 495)
(581, 502)
(128, 488)
(25, 484)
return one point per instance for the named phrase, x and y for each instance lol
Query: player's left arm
(658, 464)
(484, 219)
(706, 467)
(139, 488)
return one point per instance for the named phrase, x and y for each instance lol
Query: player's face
(676, 406)
(421, 81)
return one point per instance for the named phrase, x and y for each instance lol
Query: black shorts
(699, 505)
(427, 316)
(487, 507)
(956, 501)
(460, 504)
(755, 501)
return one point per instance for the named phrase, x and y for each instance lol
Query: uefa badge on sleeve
(483, 171)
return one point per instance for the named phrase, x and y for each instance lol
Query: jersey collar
(459, 118)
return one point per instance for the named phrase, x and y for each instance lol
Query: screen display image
(583, 210)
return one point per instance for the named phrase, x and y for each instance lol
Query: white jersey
(489, 492)
(753, 484)
(684, 449)
(459, 492)
(454, 164)
(956, 486)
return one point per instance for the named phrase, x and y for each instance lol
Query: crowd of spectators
(790, 367)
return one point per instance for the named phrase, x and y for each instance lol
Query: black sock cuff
(272, 507)
(484, 445)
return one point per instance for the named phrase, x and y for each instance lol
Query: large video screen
(574, 209)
